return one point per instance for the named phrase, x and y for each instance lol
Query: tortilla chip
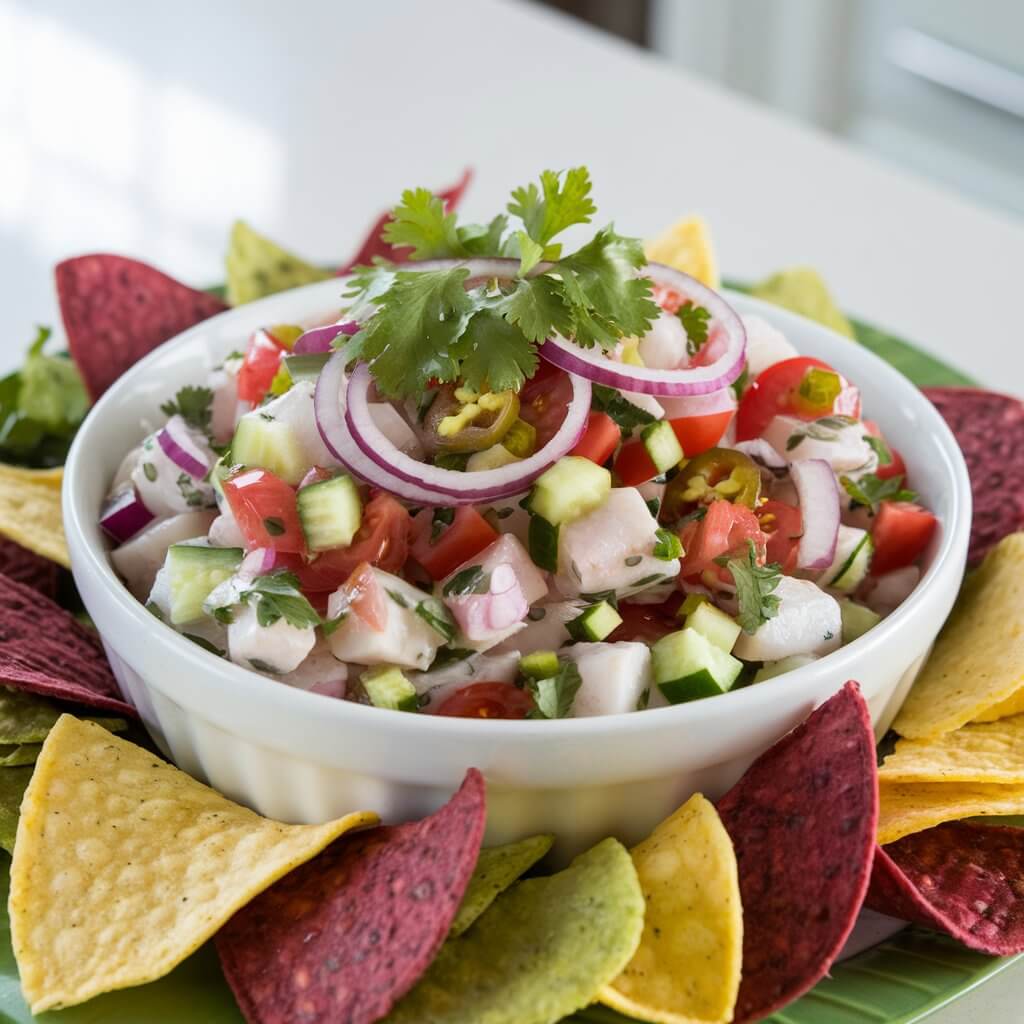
(545, 948)
(496, 869)
(116, 310)
(257, 267)
(962, 879)
(27, 718)
(13, 782)
(992, 752)
(354, 930)
(30, 515)
(687, 968)
(45, 650)
(909, 807)
(49, 477)
(1013, 705)
(802, 820)
(803, 290)
(24, 566)
(687, 246)
(124, 865)
(978, 659)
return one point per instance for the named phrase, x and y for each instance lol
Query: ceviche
(514, 481)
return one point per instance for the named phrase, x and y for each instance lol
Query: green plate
(897, 982)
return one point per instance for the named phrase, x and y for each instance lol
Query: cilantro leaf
(484, 239)
(194, 405)
(276, 597)
(420, 222)
(495, 353)
(556, 206)
(754, 586)
(537, 307)
(870, 491)
(554, 696)
(695, 322)
(667, 545)
(627, 415)
(880, 448)
(530, 253)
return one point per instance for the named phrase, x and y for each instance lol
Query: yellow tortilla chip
(1004, 709)
(978, 660)
(687, 246)
(909, 807)
(687, 967)
(990, 752)
(803, 290)
(30, 511)
(124, 865)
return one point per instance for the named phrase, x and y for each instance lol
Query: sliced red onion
(467, 488)
(723, 400)
(319, 338)
(819, 507)
(182, 450)
(727, 340)
(258, 562)
(761, 451)
(124, 514)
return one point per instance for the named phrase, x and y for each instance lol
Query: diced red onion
(727, 340)
(761, 451)
(819, 507)
(258, 562)
(319, 338)
(480, 616)
(723, 400)
(124, 514)
(182, 450)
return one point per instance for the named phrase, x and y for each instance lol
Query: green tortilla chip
(802, 290)
(13, 783)
(257, 267)
(543, 951)
(14, 754)
(496, 869)
(28, 718)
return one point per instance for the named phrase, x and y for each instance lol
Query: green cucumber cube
(539, 665)
(595, 623)
(662, 445)
(857, 620)
(570, 489)
(387, 687)
(192, 572)
(721, 629)
(330, 512)
(687, 666)
(261, 441)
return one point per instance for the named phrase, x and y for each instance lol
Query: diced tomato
(698, 434)
(600, 438)
(782, 526)
(901, 532)
(543, 401)
(724, 530)
(773, 394)
(366, 598)
(633, 465)
(487, 700)
(264, 508)
(382, 540)
(467, 535)
(259, 366)
(895, 468)
(669, 299)
(646, 623)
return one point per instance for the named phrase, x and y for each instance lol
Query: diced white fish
(320, 672)
(164, 487)
(507, 516)
(295, 407)
(224, 409)
(390, 423)
(138, 560)
(612, 548)
(278, 649)
(437, 685)
(509, 550)
(124, 471)
(808, 621)
(664, 346)
(842, 446)
(544, 630)
(224, 530)
(765, 345)
(616, 678)
(886, 593)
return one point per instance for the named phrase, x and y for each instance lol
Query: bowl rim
(243, 684)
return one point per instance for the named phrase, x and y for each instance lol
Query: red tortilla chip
(24, 566)
(960, 878)
(989, 427)
(374, 245)
(116, 310)
(44, 650)
(802, 821)
(346, 935)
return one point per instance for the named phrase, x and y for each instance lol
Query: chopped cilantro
(194, 405)
(471, 580)
(277, 596)
(554, 696)
(870, 491)
(667, 546)
(695, 322)
(880, 448)
(434, 614)
(557, 205)
(440, 520)
(420, 221)
(754, 586)
(626, 415)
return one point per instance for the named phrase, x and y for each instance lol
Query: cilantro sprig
(194, 405)
(695, 321)
(626, 415)
(754, 586)
(427, 326)
(277, 596)
(870, 491)
(553, 697)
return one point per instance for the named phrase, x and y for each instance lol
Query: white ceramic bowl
(302, 757)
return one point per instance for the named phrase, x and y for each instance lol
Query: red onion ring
(124, 514)
(761, 451)
(318, 339)
(178, 446)
(819, 507)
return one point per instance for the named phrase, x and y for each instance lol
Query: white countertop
(146, 129)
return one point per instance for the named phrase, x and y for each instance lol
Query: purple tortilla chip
(989, 428)
(345, 936)
(802, 820)
(963, 879)
(45, 650)
(24, 566)
(116, 310)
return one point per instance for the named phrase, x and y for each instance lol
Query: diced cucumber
(539, 665)
(192, 572)
(570, 489)
(857, 620)
(662, 445)
(269, 444)
(306, 365)
(721, 629)
(387, 687)
(688, 666)
(854, 549)
(542, 540)
(490, 458)
(690, 604)
(595, 623)
(771, 669)
(330, 512)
